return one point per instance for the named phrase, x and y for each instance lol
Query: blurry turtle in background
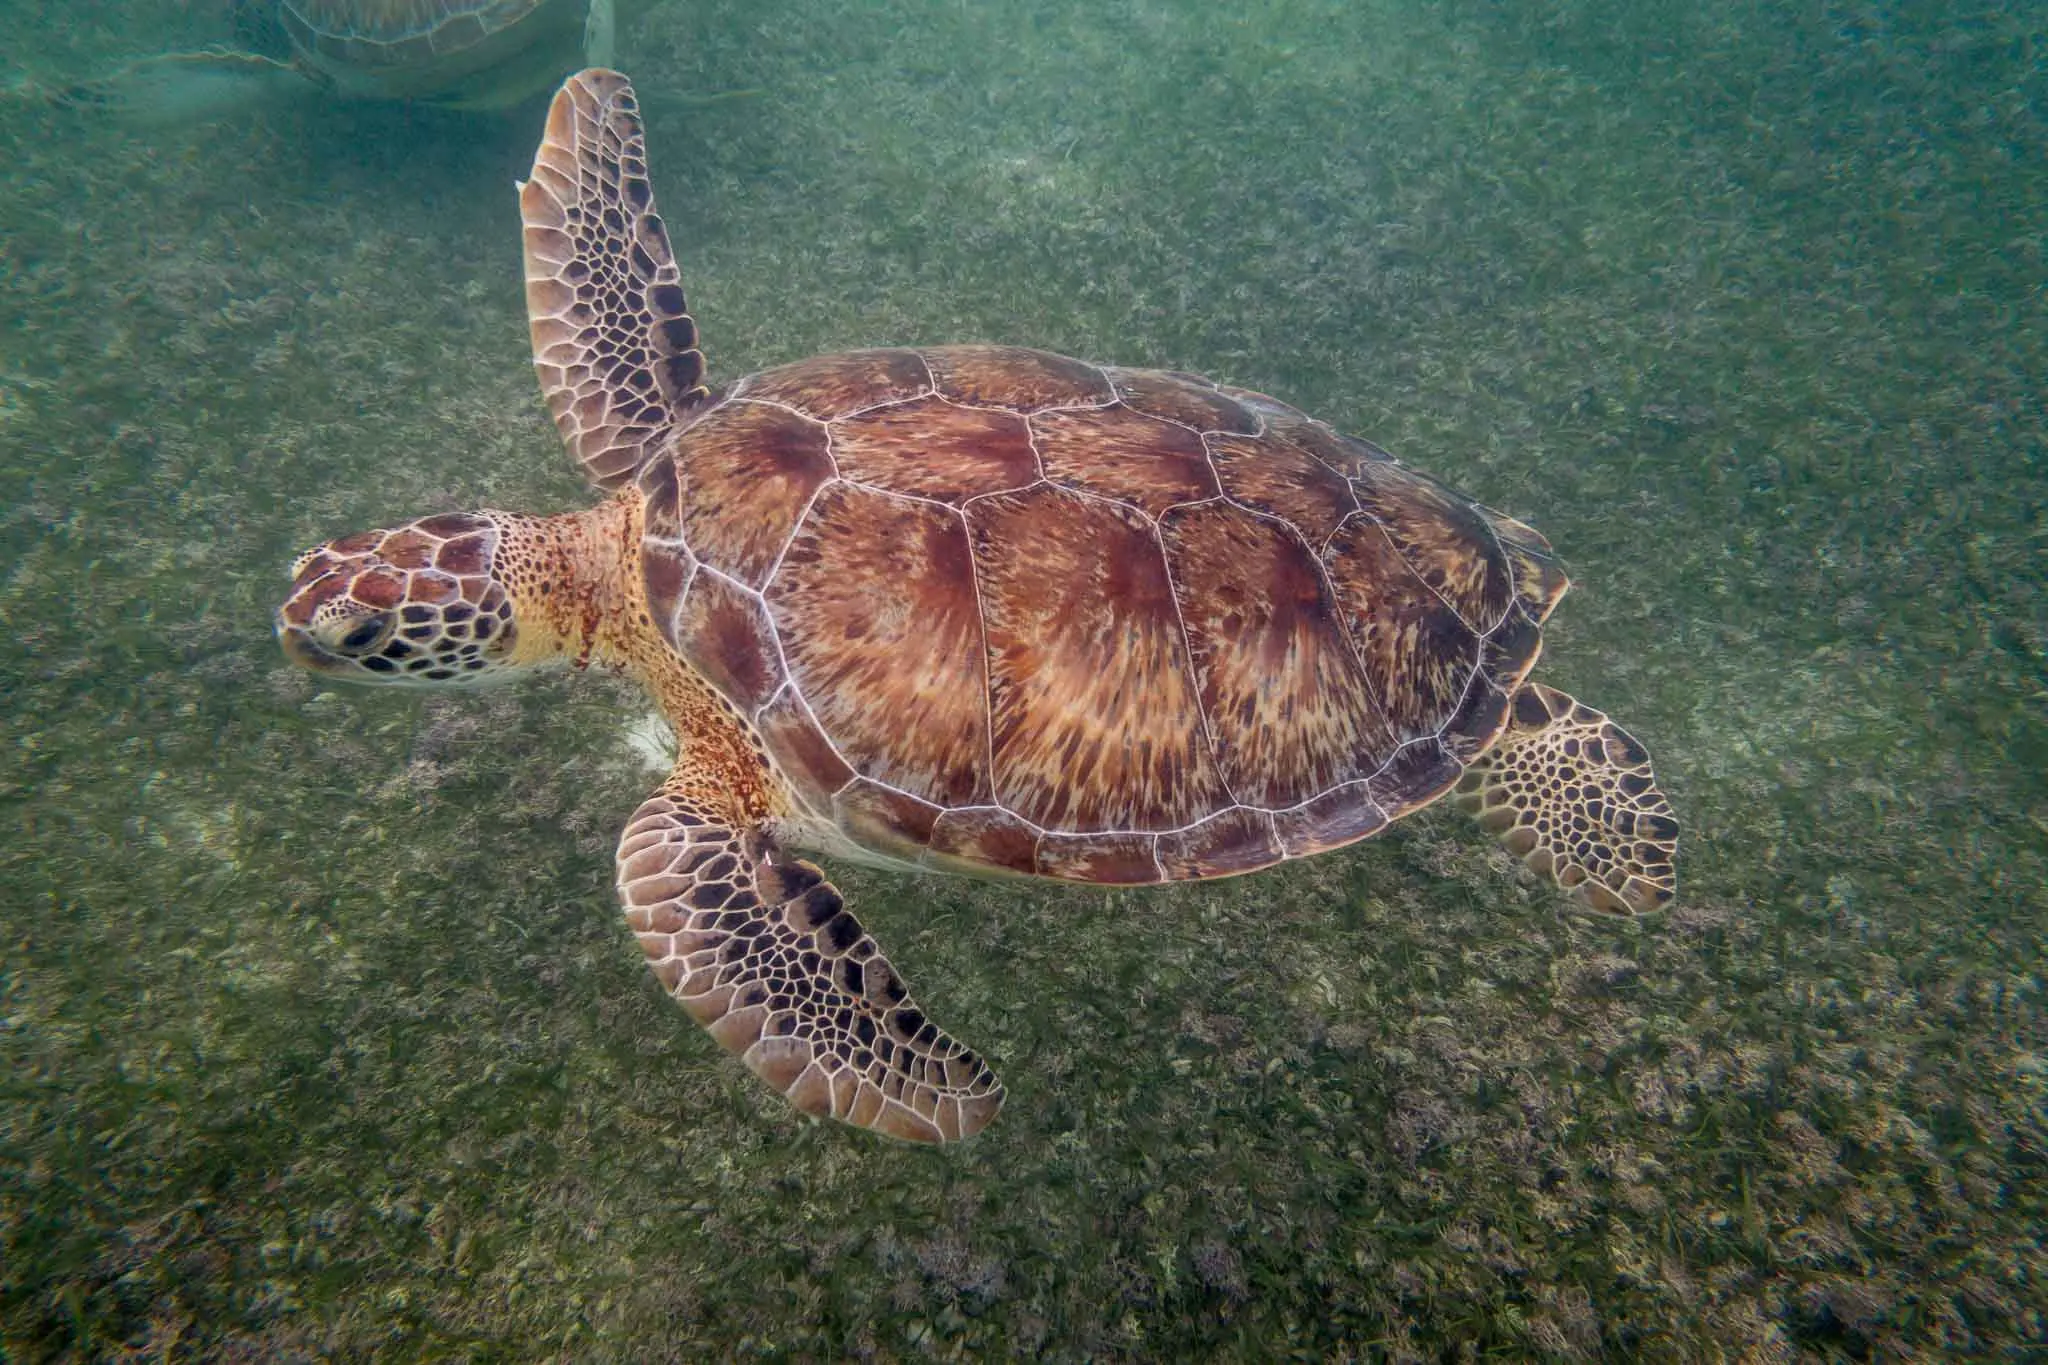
(460, 54)
(972, 608)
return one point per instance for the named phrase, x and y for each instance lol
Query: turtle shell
(995, 607)
(463, 52)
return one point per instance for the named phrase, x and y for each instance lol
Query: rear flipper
(1572, 794)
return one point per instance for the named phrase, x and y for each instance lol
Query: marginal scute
(1341, 453)
(1108, 859)
(1539, 579)
(801, 750)
(664, 575)
(1511, 651)
(884, 819)
(661, 516)
(1340, 816)
(1473, 728)
(1236, 841)
(985, 836)
(1416, 775)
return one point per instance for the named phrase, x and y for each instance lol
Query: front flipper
(1572, 793)
(613, 342)
(760, 949)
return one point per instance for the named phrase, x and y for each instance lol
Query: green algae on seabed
(321, 1037)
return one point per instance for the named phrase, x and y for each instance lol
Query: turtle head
(420, 604)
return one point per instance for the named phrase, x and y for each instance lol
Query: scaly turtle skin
(464, 54)
(977, 608)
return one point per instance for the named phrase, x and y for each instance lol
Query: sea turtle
(465, 54)
(976, 608)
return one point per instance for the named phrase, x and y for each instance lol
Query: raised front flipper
(1572, 793)
(760, 949)
(613, 341)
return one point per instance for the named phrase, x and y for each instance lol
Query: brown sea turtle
(465, 54)
(975, 608)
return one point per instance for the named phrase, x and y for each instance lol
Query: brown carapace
(977, 608)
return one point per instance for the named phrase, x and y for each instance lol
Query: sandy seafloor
(321, 1037)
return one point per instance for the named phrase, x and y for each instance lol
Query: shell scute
(1342, 454)
(1284, 481)
(1444, 538)
(664, 577)
(1097, 624)
(876, 609)
(1513, 648)
(1416, 775)
(935, 449)
(1017, 378)
(884, 819)
(1288, 703)
(745, 473)
(661, 505)
(1416, 649)
(1092, 704)
(1474, 726)
(1126, 455)
(730, 639)
(1340, 816)
(828, 387)
(1539, 579)
(1185, 399)
(814, 768)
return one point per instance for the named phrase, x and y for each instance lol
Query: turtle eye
(365, 635)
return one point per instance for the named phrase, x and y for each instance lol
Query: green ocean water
(320, 1034)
